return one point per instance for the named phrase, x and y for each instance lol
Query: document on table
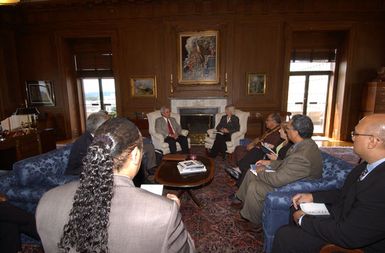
(154, 188)
(314, 208)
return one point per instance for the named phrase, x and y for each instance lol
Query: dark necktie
(170, 130)
(363, 174)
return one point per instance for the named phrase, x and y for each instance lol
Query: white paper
(314, 208)
(154, 188)
(253, 169)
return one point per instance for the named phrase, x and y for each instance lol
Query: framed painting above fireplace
(198, 57)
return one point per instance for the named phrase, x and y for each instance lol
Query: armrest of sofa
(41, 169)
(7, 182)
(322, 184)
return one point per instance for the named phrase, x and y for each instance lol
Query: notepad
(314, 208)
(253, 169)
(154, 188)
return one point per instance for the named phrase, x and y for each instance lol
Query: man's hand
(301, 198)
(225, 130)
(272, 156)
(260, 169)
(3, 197)
(250, 146)
(174, 197)
(263, 163)
(297, 215)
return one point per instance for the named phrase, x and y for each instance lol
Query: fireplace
(197, 121)
(198, 115)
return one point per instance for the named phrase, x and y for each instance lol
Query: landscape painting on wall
(198, 58)
(143, 86)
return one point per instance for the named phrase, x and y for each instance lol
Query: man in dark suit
(80, 146)
(228, 125)
(171, 131)
(357, 211)
(13, 222)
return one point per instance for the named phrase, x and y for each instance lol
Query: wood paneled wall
(254, 36)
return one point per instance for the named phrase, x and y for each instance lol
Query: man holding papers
(303, 161)
(357, 211)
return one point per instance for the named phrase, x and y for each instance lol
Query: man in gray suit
(104, 211)
(171, 131)
(303, 161)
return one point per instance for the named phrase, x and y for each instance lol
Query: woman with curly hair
(104, 212)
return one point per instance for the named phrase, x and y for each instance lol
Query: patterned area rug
(214, 227)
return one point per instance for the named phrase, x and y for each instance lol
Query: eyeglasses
(353, 134)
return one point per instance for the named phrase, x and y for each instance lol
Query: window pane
(108, 86)
(317, 96)
(91, 95)
(296, 94)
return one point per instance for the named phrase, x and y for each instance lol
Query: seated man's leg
(149, 152)
(183, 143)
(242, 191)
(251, 157)
(292, 239)
(253, 204)
(171, 144)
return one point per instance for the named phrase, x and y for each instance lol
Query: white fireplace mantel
(177, 103)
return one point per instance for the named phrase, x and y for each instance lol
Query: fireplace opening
(197, 121)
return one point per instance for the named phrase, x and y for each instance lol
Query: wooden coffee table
(167, 174)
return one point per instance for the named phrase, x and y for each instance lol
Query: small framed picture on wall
(40, 93)
(256, 83)
(143, 86)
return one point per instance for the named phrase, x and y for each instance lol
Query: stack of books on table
(191, 166)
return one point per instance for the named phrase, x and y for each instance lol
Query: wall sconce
(9, 2)
(226, 84)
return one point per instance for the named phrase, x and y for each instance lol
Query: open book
(191, 166)
(265, 148)
(314, 208)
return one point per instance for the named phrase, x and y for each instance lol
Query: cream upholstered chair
(235, 137)
(157, 139)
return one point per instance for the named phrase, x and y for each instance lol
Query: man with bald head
(357, 210)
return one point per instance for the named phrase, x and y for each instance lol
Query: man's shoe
(233, 173)
(235, 202)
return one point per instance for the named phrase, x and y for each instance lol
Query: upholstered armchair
(235, 137)
(277, 204)
(157, 139)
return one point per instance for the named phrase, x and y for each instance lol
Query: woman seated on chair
(228, 124)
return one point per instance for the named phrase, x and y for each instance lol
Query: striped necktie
(363, 174)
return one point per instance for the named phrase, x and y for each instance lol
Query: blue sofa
(32, 177)
(277, 204)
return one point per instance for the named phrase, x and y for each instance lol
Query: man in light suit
(104, 211)
(303, 161)
(171, 131)
(357, 211)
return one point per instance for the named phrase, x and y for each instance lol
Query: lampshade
(4, 2)
(28, 110)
